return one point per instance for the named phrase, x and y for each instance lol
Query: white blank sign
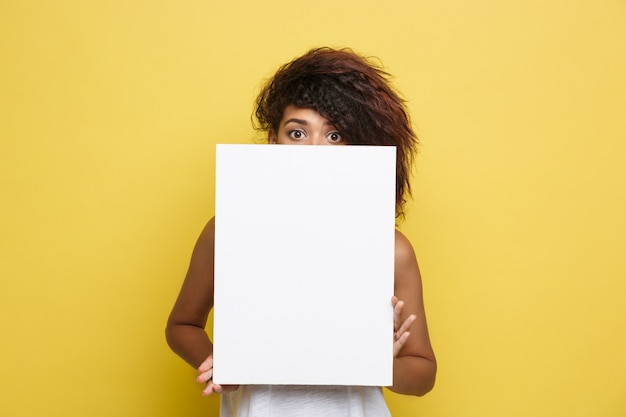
(304, 264)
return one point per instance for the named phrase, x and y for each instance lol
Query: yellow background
(109, 115)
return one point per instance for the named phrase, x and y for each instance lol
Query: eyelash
(339, 137)
(292, 134)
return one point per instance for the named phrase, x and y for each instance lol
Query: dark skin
(414, 366)
(414, 363)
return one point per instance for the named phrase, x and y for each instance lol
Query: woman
(335, 98)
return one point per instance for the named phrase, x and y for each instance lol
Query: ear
(271, 137)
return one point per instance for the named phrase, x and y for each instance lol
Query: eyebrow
(294, 120)
(303, 122)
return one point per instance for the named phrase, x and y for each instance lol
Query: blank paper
(304, 264)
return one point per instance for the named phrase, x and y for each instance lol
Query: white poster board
(304, 263)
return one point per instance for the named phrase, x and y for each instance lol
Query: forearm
(189, 342)
(413, 375)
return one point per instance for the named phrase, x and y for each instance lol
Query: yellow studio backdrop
(109, 116)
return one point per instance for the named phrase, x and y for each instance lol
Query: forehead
(302, 115)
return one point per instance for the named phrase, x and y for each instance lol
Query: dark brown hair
(354, 94)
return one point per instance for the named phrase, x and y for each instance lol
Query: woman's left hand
(400, 329)
(206, 377)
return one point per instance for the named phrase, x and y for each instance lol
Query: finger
(406, 325)
(394, 300)
(206, 365)
(205, 376)
(399, 344)
(208, 390)
(397, 311)
(221, 389)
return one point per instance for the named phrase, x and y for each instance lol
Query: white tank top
(304, 401)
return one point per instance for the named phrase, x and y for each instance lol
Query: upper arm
(408, 288)
(195, 299)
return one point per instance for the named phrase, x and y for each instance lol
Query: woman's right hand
(206, 377)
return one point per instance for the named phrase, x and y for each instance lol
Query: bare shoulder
(208, 232)
(403, 245)
(406, 268)
(404, 250)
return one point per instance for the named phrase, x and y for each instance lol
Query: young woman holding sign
(333, 98)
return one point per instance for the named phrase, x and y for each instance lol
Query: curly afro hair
(354, 94)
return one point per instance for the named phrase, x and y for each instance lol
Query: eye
(334, 137)
(296, 134)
